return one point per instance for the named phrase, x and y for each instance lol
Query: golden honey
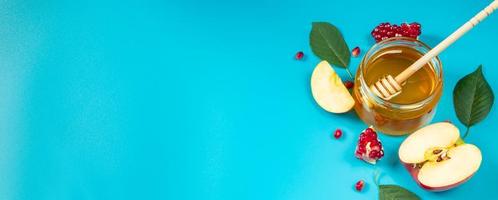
(415, 105)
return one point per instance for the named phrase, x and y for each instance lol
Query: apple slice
(329, 91)
(464, 161)
(437, 159)
(413, 149)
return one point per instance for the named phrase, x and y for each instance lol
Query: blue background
(203, 99)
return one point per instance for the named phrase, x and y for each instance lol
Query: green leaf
(394, 192)
(328, 44)
(472, 98)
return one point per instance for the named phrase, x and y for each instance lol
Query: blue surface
(203, 99)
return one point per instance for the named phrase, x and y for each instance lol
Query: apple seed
(437, 151)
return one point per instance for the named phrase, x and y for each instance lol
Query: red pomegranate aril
(375, 145)
(299, 55)
(374, 154)
(405, 27)
(395, 28)
(416, 25)
(356, 52)
(338, 133)
(359, 185)
(348, 84)
(386, 30)
(369, 131)
(371, 136)
(377, 37)
(363, 140)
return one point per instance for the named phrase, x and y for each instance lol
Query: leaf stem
(350, 74)
(376, 177)
(466, 132)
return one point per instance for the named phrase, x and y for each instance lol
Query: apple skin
(414, 173)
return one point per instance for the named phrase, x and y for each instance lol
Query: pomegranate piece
(359, 185)
(387, 30)
(299, 55)
(349, 84)
(355, 52)
(369, 147)
(337, 133)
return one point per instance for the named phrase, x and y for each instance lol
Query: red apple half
(437, 158)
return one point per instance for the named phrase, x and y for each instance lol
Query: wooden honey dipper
(388, 87)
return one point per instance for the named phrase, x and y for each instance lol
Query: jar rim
(437, 65)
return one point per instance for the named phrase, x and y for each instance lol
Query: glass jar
(406, 112)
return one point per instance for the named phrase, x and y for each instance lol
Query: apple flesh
(437, 158)
(329, 91)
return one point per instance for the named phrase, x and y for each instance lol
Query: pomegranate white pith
(437, 159)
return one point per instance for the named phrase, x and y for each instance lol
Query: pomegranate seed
(356, 52)
(375, 145)
(362, 149)
(299, 55)
(359, 185)
(374, 154)
(416, 25)
(349, 84)
(369, 131)
(363, 139)
(338, 133)
(387, 30)
(371, 136)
